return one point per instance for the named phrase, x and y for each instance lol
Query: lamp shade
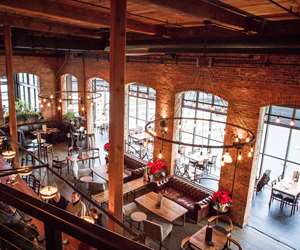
(48, 192)
(227, 158)
(9, 154)
(25, 171)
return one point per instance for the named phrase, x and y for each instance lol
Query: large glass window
(200, 105)
(141, 109)
(27, 89)
(101, 103)
(280, 148)
(71, 86)
(4, 93)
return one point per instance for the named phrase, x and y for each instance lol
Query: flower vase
(159, 201)
(221, 208)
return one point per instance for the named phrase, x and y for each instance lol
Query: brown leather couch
(194, 199)
(134, 167)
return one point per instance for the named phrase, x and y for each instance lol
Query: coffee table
(169, 210)
(198, 240)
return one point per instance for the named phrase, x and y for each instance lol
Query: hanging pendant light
(240, 157)
(9, 154)
(88, 218)
(227, 157)
(25, 170)
(50, 188)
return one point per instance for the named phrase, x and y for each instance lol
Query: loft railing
(57, 221)
(15, 201)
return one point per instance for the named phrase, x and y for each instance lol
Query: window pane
(276, 142)
(275, 165)
(290, 168)
(294, 149)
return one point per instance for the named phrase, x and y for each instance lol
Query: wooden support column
(165, 101)
(239, 176)
(83, 102)
(11, 90)
(1, 107)
(117, 106)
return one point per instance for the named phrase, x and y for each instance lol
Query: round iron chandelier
(242, 136)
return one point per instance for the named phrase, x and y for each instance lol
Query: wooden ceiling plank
(39, 25)
(207, 10)
(71, 15)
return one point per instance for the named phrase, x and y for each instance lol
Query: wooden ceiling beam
(71, 15)
(34, 24)
(209, 10)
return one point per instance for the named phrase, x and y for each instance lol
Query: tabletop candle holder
(159, 201)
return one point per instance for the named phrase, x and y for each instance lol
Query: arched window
(101, 103)
(27, 89)
(280, 142)
(201, 105)
(70, 84)
(140, 110)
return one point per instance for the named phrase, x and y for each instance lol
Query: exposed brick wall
(246, 88)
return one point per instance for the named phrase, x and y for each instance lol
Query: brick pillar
(239, 178)
(165, 100)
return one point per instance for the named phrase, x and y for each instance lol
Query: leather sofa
(25, 135)
(134, 167)
(195, 199)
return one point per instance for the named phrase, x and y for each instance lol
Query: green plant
(69, 117)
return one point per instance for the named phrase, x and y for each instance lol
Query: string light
(60, 100)
(249, 154)
(292, 123)
(49, 104)
(251, 149)
(59, 108)
(160, 155)
(41, 105)
(227, 157)
(82, 109)
(51, 96)
(240, 157)
(247, 139)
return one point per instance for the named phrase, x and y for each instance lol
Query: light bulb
(236, 139)
(60, 100)
(59, 108)
(154, 133)
(82, 109)
(277, 120)
(239, 158)
(227, 157)
(44, 100)
(251, 149)
(41, 105)
(247, 139)
(49, 104)
(166, 129)
(51, 96)
(292, 123)
(160, 155)
(222, 163)
(249, 154)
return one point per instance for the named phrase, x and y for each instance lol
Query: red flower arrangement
(221, 198)
(106, 147)
(156, 166)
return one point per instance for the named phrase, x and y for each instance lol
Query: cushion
(186, 202)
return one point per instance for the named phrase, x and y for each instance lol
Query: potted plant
(156, 169)
(106, 149)
(222, 201)
(69, 117)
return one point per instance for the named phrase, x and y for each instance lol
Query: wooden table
(169, 210)
(128, 187)
(47, 131)
(288, 187)
(198, 240)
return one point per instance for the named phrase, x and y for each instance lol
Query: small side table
(138, 217)
(87, 180)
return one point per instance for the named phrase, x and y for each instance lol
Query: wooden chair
(60, 164)
(275, 195)
(230, 242)
(157, 230)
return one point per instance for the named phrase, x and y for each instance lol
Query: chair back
(232, 244)
(213, 159)
(218, 223)
(153, 230)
